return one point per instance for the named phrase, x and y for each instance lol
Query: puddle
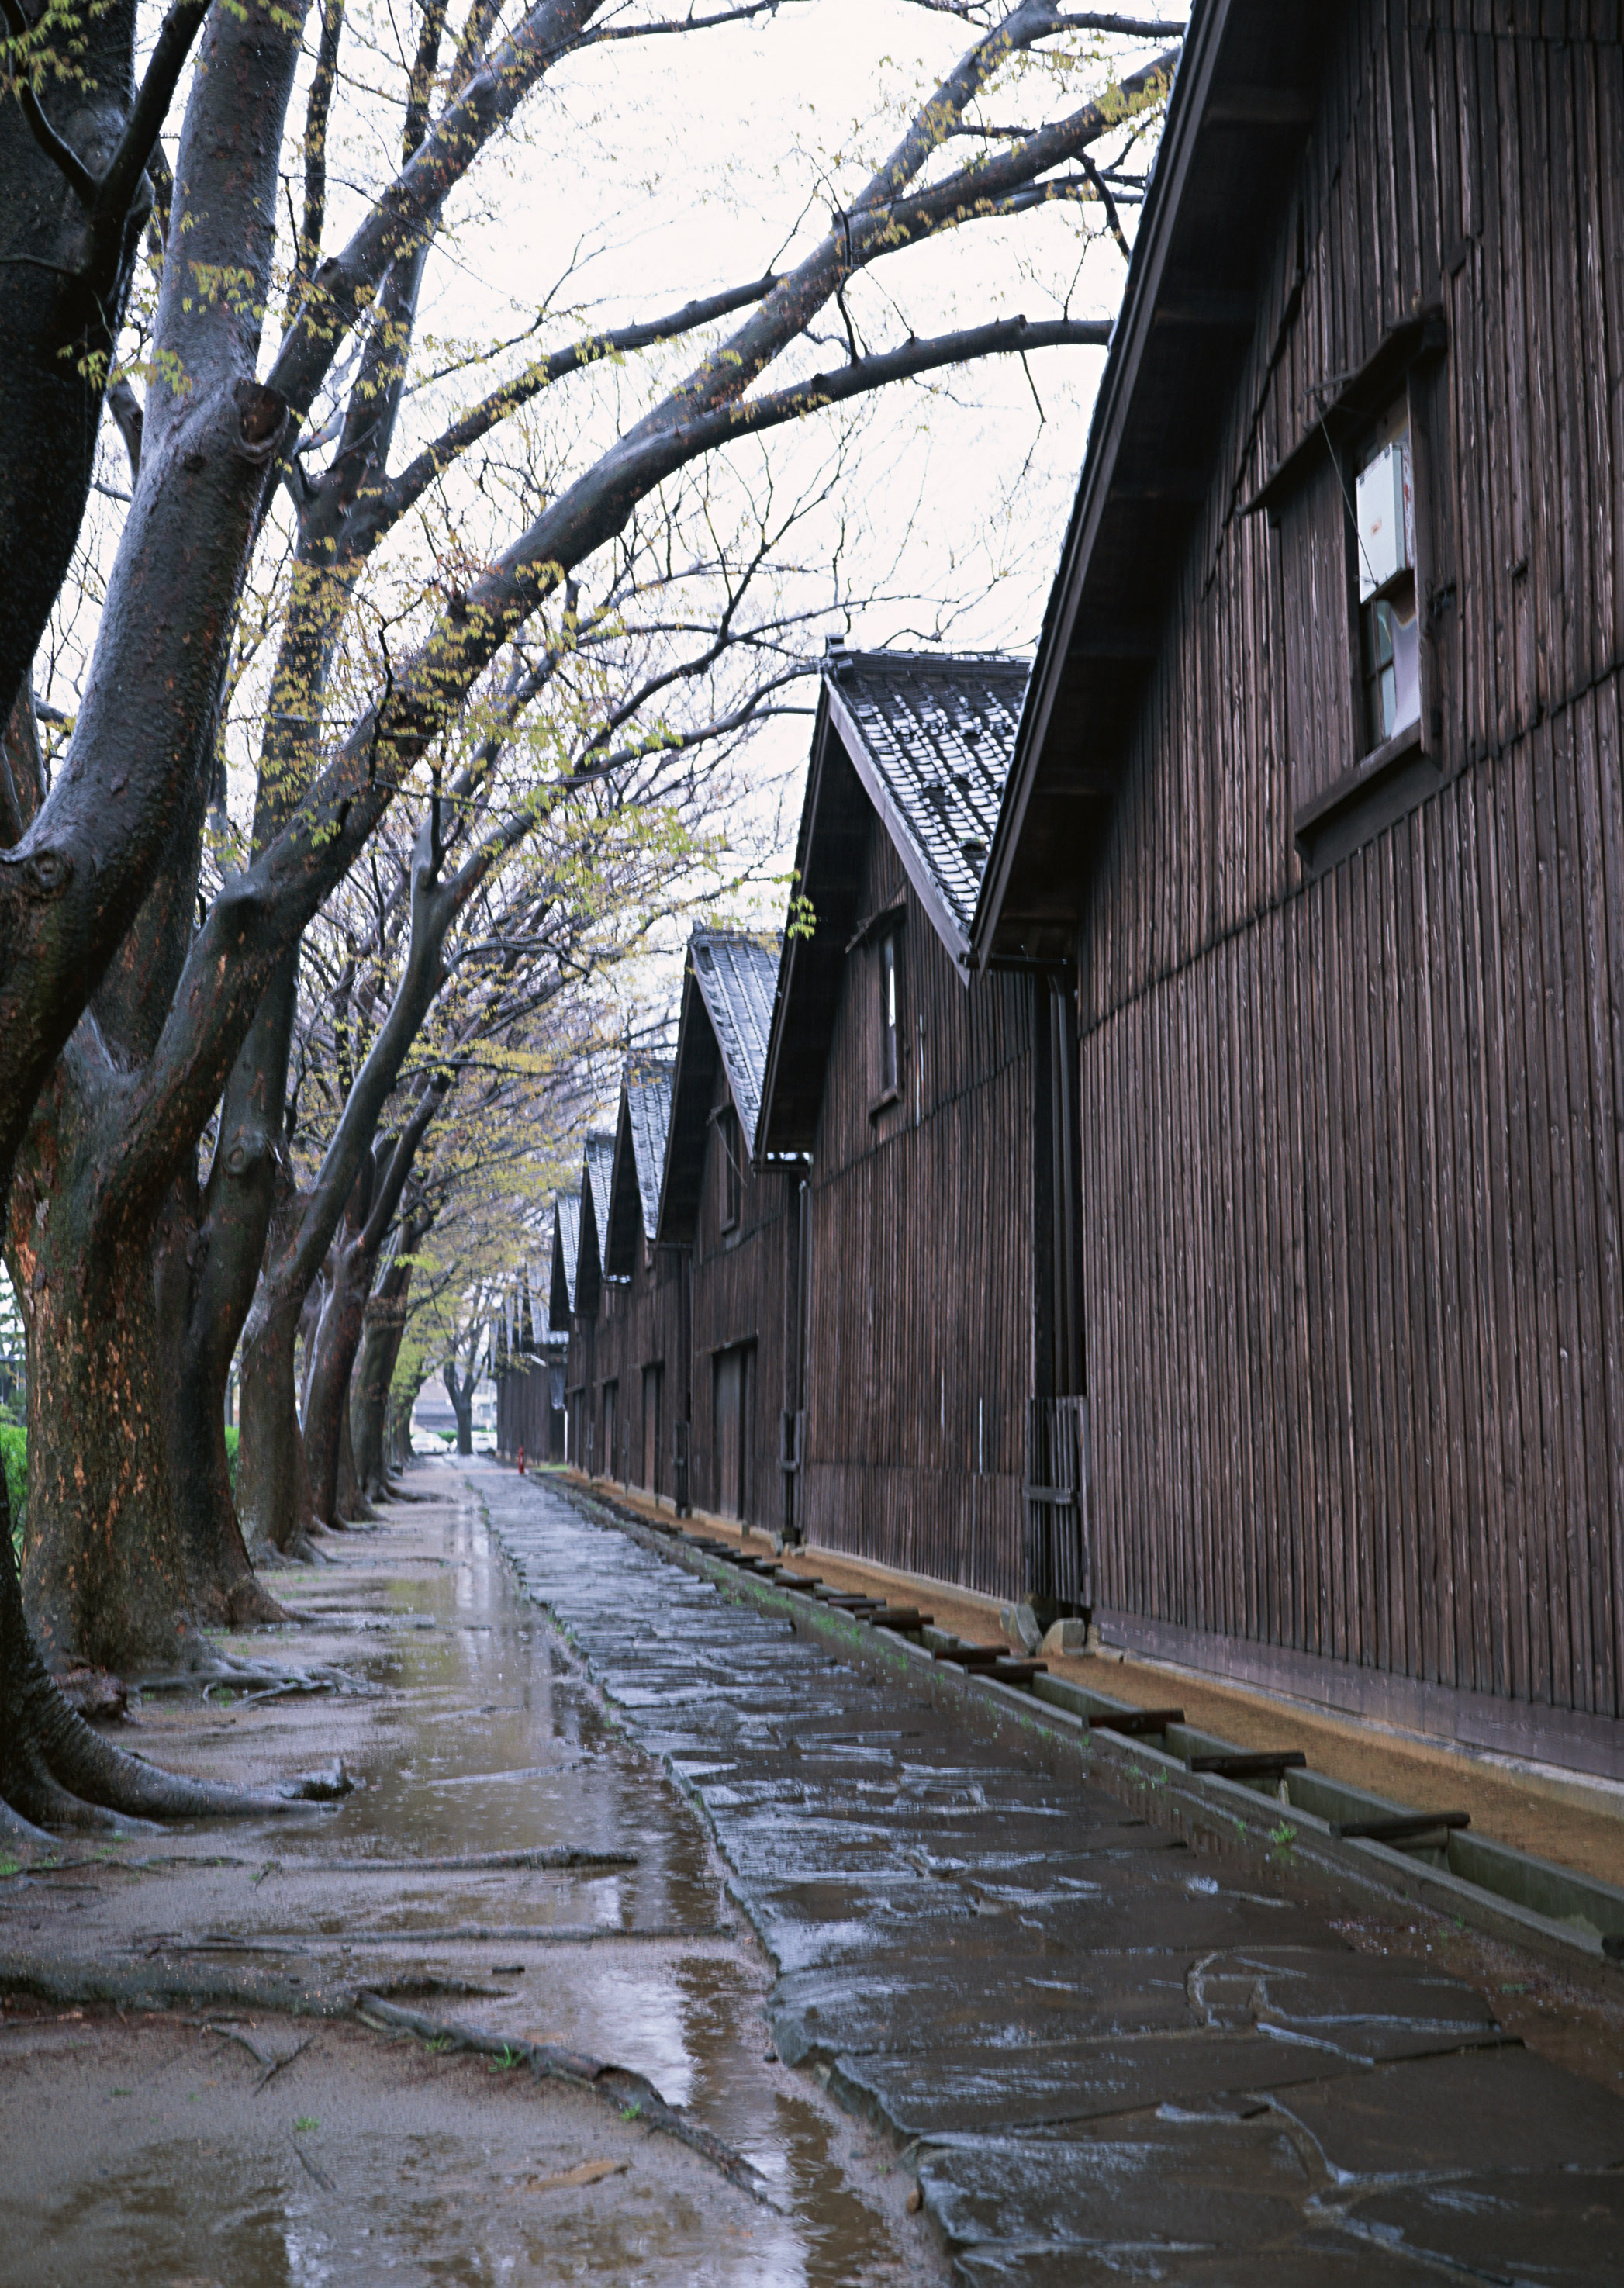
(157, 2165)
(482, 1744)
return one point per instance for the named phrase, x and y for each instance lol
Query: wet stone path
(200, 2080)
(1107, 2055)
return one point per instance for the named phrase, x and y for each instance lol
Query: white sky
(646, 172)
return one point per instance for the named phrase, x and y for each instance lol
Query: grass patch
(14, 1455)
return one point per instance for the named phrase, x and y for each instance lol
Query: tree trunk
(54, 1766)
(399, 1441)
(383, 1329)
(272, 1489)
(198, 1339)
(104, 1564)
(459, 1390)
(337, 1340)
(350, 1504)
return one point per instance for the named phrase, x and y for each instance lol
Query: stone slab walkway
(276, 2052)
(1110, 2056)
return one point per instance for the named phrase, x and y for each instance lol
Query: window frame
(1331, 815)
(729, 1149)
(888, 1028)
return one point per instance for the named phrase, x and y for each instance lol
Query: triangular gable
(727, 1010)
(1239, 111)
(639, 1162)
(597, 1161)
(931, 736)
(922, 742)
(566, 1260)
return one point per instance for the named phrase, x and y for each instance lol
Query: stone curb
(1157, 1784)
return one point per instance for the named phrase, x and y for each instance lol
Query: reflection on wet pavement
(512, 1862)
(162, 2165)
(1112, 2057)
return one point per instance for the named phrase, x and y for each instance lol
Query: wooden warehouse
(651, 1339)
(593, 1310)
(530, 1376)
(737, 1223)
(1319, 794)
(914, 1100)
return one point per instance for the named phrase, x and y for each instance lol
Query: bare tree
(99, 873)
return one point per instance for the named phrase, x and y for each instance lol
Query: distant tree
(130, 1027)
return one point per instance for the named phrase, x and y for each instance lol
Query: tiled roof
(648, 1106)
(600, 1162)
(566, 1212)
(938, 732)
(736, 976)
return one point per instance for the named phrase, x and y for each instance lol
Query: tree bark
(382, 1334)
(103, 1566)
(337, 1340)
(459, 1390)
(198, 1339)
(272, 1487)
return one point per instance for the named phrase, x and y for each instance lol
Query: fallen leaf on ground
(584, 2173)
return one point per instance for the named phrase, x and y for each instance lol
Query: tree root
(254, 1680)
(250, 1605)
(632, 2094)
(162, 1986)
(56, 1771)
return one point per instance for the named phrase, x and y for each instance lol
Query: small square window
(890, 1041)
(730, 1148)
(1384, 535)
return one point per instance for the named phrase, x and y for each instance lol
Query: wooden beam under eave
(1218, 309)
(1291, 106)
(1183, 486)
(1131, 646)
(1076, 783)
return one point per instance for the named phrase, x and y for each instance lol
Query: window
(887, 1068)
(1384, 537)
(888, 1011)
(1365, 591)
(729, 1151)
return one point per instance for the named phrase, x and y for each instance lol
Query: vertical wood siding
(738, 1286)
(1351, 1146)
(919, 1344)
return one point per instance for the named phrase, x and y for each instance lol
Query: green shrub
(231, 1453)
(14, 1453)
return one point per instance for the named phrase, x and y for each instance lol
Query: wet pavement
(512, 1864)
(1107, 2055)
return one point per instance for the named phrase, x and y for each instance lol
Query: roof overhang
(692, 1087)
(835, 822)
(1240, 113)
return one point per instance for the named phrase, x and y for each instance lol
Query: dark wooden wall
(648, 1335)
(738, 1287)
(919, 1351)
(525, 1413)
(582, 1390)
(1354, 1271)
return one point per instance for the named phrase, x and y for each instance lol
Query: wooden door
(651, 1429)
(730, 1439)
(611, 1452)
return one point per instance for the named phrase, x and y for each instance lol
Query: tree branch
(393, 498)
(128, 165)
(491, 97)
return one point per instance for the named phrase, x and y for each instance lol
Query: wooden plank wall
(919, 1344)
(648, 1335)
(737, 1296)
(524, 1411)
(1352, 1147)
(581, 1389)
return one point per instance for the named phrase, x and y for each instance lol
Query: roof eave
(1185, 105)
(941, 917)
